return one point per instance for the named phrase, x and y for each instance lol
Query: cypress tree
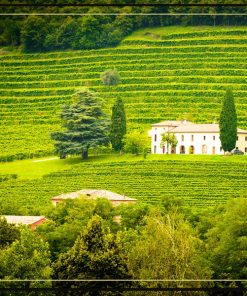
(118, 125)
(228, 123)
(85, 125)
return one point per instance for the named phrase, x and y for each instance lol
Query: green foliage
(33, 33)
(68, 218)
(227, 241)
(228, 123)
(168, 249)
(110, 77)
(136, 142)
(86, 126)
(188, 77)
(8, 233)
(118, 125)
(189, 178)
(6, 177)
(96, 254)
(168, 139)
(26, 258)
(67, 34)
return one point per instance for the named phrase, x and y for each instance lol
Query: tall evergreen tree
(228, 123)
(85, 125)
(96, 254)
(118, 125)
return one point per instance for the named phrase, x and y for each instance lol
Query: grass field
(200, 181)
(166, 73)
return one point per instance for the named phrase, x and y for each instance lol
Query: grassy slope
(167, 73)
(199, 180)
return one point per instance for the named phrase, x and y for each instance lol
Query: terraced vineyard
(167, 73)
(201, 182)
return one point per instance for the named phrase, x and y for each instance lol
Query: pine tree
(118, 125)
(228, 123)
(85, 125)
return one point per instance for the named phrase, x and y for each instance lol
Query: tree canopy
(228, 123)
(8, 233)
(85, 125)
(170, 140)
(26, 258)
(136, 142)
(110, 77)
(118, 125)
(96, 31)
(96, 254)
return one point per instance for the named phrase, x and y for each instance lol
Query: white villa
(192, 138)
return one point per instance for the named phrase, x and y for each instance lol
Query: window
(155, 149)
(245, 149)
(245, 138)
(213, 150)
(204, 138)
(236, 147)
(237, 138)
(192, 138)
(164, 149)
(214, 138)
(182, 137)
(220, 148)
(204, 149)
(155, 138)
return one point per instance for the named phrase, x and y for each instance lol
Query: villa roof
(201, 128)
(197, 128)
(26, 220)
(94, 193)
(189, 127)
(172, 123)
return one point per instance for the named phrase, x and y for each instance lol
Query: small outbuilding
(113, 197)
(31, 221)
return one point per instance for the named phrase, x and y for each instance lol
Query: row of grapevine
(180, 73)
(198, 183)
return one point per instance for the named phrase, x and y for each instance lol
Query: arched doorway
(182, 149)
(191, 149)
(204, 149)
(173, 150)
(213, 150)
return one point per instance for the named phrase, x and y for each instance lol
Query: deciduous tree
(227, 241)
(168, 139)
(167, 249)
(27, 258)
(110, 77)
(8, 233)
(33, 33)
(136, 142)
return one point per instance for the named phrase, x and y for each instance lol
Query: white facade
(192, 138)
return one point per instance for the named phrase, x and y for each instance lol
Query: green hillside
(167, 73)
(199, 181)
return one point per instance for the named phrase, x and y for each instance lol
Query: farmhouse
(192, 138)
(31, 221)
(114, 198)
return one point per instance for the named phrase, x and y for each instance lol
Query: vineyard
(166, 73)
(199, 182)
